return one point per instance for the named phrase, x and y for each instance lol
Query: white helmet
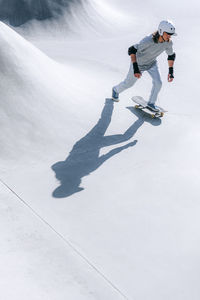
(166, 26)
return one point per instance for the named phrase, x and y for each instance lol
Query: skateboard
(142, 105)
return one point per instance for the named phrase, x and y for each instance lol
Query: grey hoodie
(148, 51)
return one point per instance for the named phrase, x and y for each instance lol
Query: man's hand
(138, 75)
(170, 79)
(136, 70)
(171, 74)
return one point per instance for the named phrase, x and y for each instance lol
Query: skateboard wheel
(161, 114)
(136, 106)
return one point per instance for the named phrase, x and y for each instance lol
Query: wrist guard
(136, 68)
(171, 72)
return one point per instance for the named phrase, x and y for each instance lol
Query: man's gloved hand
(136, 70)
(171, 74)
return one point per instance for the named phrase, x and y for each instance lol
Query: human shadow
(85, 158)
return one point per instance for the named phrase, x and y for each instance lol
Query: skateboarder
(143, 58)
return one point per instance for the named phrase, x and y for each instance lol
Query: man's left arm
(171, 59)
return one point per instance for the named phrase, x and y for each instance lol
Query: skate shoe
(152, 107)
(115, 96)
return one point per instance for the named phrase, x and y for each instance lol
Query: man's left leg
(157, 84)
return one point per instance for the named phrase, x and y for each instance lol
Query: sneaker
(152, 107)
(115, 96)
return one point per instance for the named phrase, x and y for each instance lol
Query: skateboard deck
(142, 105)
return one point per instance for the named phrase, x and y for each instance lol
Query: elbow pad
(132, 50)
(172, 57)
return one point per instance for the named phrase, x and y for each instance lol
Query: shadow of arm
(115, 151)
(120, 138)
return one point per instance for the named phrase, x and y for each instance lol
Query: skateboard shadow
(85, 158)
(144, 116)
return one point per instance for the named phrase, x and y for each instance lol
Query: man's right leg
(127, 83)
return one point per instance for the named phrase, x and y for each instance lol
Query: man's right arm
(132, 53)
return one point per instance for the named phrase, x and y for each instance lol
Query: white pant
(131, 79)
